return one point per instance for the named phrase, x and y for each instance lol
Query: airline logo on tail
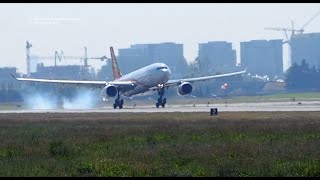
(115, 68)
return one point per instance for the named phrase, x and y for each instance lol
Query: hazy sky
(70, 27)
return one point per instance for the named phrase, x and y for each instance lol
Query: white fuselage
(146, 77)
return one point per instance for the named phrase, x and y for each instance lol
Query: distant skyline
(71, 26)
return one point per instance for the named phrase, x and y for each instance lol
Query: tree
(301, 77)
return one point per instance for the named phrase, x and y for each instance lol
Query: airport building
(262, 57)
(306, 46)
(216, 56)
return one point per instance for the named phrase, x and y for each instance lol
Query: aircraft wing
(78, 82)
(179, 81)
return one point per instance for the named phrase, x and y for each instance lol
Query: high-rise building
(140, 55)
(130, 59)
(9, 86)
(5, 76)
(306, 46)
(216, 56)
(262, 57)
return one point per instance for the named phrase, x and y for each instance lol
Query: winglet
(13, 76)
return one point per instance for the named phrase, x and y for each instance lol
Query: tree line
(302, 77)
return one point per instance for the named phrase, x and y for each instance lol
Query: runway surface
(265, 106)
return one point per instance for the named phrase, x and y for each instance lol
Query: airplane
(151, 78)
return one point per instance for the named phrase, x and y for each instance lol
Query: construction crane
(285, 32)
(85, 57)
(301, 30)
(60, 57)
(288, 39)
(28, 46)
(56, 56)
(311, 19)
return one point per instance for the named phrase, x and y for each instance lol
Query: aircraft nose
(167, 72)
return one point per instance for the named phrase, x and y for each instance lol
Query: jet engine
(184, 88)
(110, 91)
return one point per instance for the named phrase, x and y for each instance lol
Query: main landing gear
(118, 102)
(161, 102)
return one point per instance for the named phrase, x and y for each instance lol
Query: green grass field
(160, 144)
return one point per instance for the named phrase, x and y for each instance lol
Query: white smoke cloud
(83, 99)
(41, 101)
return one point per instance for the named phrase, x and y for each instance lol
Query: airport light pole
(224, 88)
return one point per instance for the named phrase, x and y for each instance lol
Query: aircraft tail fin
(115, 68)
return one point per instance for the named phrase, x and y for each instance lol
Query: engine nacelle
(184, 88)
(110, 91)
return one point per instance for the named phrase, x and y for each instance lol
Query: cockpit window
(161, 68)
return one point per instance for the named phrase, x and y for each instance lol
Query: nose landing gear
(161, 101)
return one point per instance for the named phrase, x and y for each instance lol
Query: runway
(234, 107)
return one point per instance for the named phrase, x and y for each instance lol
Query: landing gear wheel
(161, 102)
(118, 102)
(121, 104)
